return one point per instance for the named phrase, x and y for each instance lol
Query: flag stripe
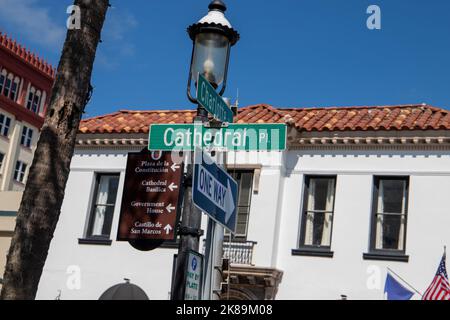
(439, 288)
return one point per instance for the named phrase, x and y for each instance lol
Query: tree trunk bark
(44, 192)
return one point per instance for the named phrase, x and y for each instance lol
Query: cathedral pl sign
(151, 197)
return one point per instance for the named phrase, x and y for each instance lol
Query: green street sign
(235, 137)
(209, 99)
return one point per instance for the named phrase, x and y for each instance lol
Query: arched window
(30, 97)
(8, 84)
(34, 100)
(2, 80)
(14, 89)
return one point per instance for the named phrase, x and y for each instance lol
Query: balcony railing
(239, 252)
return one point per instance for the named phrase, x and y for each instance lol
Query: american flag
(440, 287)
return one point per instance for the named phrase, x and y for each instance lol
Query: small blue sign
(194, 264)
(215, 193)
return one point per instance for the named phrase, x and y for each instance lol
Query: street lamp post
(212, 36)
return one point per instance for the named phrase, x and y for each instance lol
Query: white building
(359, 190)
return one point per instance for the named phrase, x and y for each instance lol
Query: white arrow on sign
(173, 186)
(229, 203)
(174, 167)
(170, 208)
(168, 228)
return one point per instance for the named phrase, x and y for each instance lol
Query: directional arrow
(229, 203)
(168, 228)
(173, 186)
(170, 208)
(175, 167)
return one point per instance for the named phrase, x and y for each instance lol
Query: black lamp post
(213, 36)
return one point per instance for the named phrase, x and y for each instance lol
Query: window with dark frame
(318, 212)
(102, 209)
(2, 156)
(30, 100)
(245, 188)
(2, 82)
(27, 137)
(7, 88)
(13, 93)
(5, 123)
(389, 218)
(19, 172)
(36, 101)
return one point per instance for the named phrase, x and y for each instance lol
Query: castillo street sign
(214, 192)
(151, 197)
(235, 137)
(208, 98)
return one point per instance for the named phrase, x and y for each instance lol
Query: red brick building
(26, 81)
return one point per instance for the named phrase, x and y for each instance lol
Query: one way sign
(215, 193)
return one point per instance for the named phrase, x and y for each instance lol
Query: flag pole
(389, 269)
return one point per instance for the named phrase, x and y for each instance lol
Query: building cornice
(297, 140)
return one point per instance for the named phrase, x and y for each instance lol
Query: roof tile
(402, 117)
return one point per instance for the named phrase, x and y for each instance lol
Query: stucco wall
(347, 273)
(274, 224)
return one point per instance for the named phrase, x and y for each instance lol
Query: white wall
(274, 224)
(347, 273)
(101, 266)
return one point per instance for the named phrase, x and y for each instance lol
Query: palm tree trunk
(44, 192)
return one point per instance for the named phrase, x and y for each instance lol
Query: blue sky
(292, 53)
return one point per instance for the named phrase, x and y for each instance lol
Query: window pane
(113, 185)
(245, 184)
(6, 126)
(390, 219)
(318, 229)
(108, 221)
(392, 193)
(318, 218)
(30, 100)
(22, 172)
(35, 103)
(391, 232)
(12, 96)
(24, 134)
(242, 220)
(246, 187)
(321, 195)
(98, 221)
(107, 190)
(7, 87)
(103, 211)
(2, 81)
(2, 123)
(2, 156)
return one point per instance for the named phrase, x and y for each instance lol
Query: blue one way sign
(215, 193)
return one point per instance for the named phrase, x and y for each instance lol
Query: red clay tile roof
(26, 55)
(402, 117)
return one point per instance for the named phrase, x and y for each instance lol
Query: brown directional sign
(151, 197)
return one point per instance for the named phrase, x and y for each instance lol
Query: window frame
(2, 159)
(26, 138)
(8, 84)
(22, 172)
(15, 88)
(374, 213)
(306, 249)
(5, 125)
(241, 237)
(93, 206)
(2, 81)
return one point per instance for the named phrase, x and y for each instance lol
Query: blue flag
(395, 291)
